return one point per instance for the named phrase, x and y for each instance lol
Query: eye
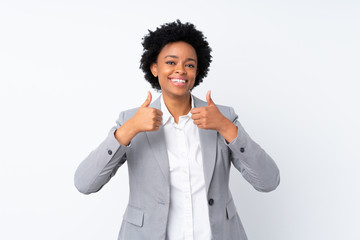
(170, 63)
(190, 65)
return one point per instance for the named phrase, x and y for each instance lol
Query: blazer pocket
(134, 216)
(230, 209)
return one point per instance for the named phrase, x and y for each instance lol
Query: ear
(153, 69)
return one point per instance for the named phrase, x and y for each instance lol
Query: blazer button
(242, 149)
(211, 201)
(109, 152)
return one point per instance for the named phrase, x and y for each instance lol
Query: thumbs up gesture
(207, 117)
(145, 119)
(210, 117)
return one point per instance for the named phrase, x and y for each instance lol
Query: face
(176, 69)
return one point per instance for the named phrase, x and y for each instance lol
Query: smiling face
(176, 69)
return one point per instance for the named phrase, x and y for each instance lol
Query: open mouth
(178, 81)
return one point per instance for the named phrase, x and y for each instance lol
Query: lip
(178, 81)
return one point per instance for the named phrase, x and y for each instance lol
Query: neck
(178, 106)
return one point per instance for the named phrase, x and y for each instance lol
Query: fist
(146, 118)
(208, 117)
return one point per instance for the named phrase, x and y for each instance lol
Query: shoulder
(228, 112)
(126, 115)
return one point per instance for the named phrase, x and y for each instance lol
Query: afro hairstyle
(177, 31)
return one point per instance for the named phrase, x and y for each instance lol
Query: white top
(188, 212)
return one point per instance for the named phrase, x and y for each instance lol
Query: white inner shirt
(188, 212)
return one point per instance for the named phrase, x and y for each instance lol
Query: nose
(180, 69)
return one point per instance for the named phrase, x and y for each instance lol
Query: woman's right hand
(145, 119)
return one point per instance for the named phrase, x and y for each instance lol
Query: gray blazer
(147, 211)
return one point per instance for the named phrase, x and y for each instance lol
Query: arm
(256, 166)
(247, 156)
(102, 163)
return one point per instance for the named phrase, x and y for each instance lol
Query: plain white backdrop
(290, 69)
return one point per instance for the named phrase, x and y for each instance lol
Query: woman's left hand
(210, 117)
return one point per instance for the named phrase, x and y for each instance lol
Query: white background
(289, 68)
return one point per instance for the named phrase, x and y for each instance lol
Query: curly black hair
(154, 42)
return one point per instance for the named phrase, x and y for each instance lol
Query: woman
(179, 149)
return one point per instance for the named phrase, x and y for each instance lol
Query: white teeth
(178, 80)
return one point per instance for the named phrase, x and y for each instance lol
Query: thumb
(208, 99)
(147, 101)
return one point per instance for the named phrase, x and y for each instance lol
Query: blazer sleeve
(102, 163)
(256, 166)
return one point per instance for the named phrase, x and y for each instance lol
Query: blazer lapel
(158, 145)
(208, 143)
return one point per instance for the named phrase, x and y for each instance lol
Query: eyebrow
(174, 56)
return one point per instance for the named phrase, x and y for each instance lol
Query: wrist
(228, 130)
(125, 134)
(224, 125)
(129, 129)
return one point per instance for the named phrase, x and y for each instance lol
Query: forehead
(180, 49)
